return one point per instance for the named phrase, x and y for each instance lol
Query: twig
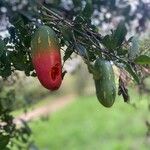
(67, 22)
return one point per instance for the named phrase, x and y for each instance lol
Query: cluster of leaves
(14, 52)
(11, 135)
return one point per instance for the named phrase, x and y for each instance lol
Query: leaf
(2, 47)
(77, 3)
(132, 73)
(68, 53)
(5, 72)
(4, 140)
(18, 60)
(81, 50)
(88, 9)
(142, 60)
(134, 50)
(17, 21)
(109, 42)
(120, 33)
(66, 32)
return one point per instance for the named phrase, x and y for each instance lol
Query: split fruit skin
(46, 57)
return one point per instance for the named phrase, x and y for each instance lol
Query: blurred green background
(85, 123)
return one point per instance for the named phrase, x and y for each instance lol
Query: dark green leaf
(143, 59)
(18, 59)
(79, 21)
(77, 3)
(17, 21)
(68, 53)
(132, 73)
(5, 72)
(120, 33)
(4, 140)
(2, 47)
(81, 50)
(88, 10)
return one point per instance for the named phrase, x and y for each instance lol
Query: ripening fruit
(46, 57)
(105, 82)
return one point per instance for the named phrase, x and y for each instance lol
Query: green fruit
(44, 40)
(105, 82)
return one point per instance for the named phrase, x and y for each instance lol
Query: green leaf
(17, 21)
(2, 47)
(77, 3)
(88, 10)
(108, 42)
(81, 50)
(134, 50)
(142, 60)
(4, 140)
(5, 72)
(132, 73)
(18, 60)
(68, 53)
(120, 33)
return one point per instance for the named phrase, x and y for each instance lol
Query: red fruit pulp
(48, 67)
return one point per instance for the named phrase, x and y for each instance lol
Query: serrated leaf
(132, 73)
(134, 50)
(120, 33)
(66, 32)
(4, 140)
(77, 3)
(142, 59)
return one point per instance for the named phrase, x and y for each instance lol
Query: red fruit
(46, 58)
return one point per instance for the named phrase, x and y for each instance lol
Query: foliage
(11, 134)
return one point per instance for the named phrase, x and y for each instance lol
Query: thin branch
(93, 34)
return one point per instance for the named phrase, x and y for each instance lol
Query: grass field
(86, 125)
